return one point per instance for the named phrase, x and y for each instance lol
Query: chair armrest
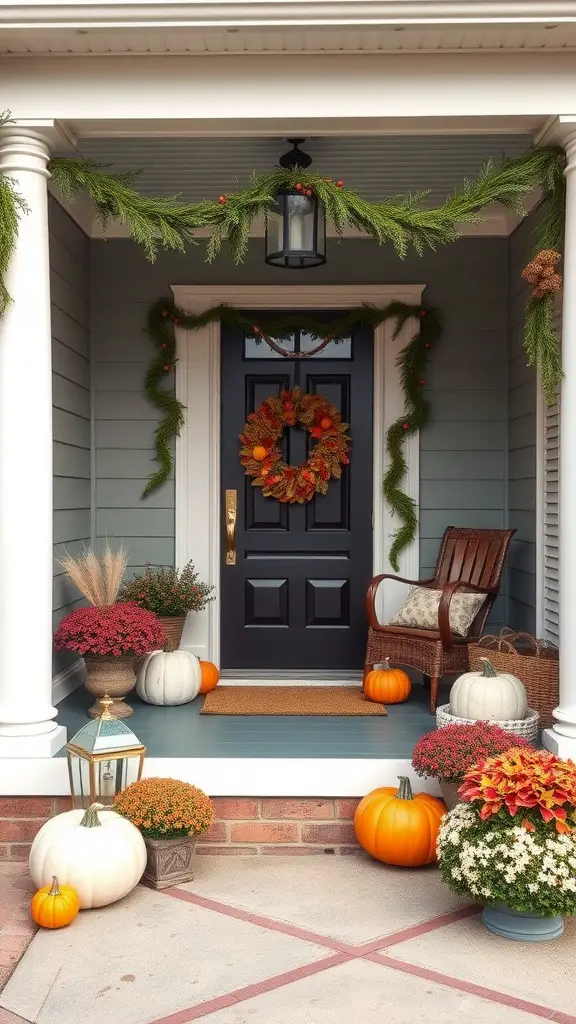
(448, 592)
(373, 590)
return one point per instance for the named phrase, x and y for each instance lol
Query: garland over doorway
(405, 221)
(164, 316)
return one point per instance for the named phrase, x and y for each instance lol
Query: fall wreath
(261, 456)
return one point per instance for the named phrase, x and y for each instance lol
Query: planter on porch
(114, 676)
(173, 626)
(170, 862)
(450, 794)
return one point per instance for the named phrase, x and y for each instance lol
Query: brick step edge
(289, 826)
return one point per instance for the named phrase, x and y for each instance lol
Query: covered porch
(485, 459)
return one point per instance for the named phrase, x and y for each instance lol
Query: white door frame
(198, 511)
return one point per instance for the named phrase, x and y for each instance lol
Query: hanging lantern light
(104, 757)
(296, 224)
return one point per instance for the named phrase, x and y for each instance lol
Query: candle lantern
(295, 222)
(104, 757)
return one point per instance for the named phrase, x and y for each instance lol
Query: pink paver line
(346, 953)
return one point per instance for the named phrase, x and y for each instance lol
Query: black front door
(294, 600)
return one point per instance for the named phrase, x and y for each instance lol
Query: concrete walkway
(307, 940)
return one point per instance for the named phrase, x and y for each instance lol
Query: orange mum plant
(165, 808)
(532, 783)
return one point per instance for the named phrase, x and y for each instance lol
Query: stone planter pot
(450, 793)
(170, 862)
(112, 676)
(522, 925)
(173, 627)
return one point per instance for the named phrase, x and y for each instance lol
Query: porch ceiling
(238, 38)
(375, 165)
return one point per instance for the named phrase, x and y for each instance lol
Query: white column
(561, 739)
(27, 726)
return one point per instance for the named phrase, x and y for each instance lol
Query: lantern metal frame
(92, 759)
(290, 257)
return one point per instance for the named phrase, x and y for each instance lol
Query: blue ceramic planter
(522, 925)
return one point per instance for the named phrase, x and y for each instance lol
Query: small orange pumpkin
(398, 827)
(54, 906)
(210, 676)
(259, 452)
(387, 685)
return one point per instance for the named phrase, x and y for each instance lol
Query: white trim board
(68, 680)
(230, 776)
(198, 510)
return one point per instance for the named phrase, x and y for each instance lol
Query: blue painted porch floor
(183, 732)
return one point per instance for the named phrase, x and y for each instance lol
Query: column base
(562, 746)
(44, 745)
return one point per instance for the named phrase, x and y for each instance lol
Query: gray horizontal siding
(462, 449)
(70, 285)
(521, 573)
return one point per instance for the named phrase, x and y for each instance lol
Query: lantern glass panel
(296, 231)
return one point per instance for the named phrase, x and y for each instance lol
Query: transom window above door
(299, 342)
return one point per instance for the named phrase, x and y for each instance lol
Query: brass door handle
(231, 512)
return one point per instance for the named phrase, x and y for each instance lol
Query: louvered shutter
(551, 470)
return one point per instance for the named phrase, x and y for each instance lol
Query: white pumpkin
(488, 696)
(98, 852)
(169, 677)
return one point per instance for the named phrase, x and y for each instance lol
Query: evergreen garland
(403, 221)
(164, 316)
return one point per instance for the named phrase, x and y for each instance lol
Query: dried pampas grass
(98, 577)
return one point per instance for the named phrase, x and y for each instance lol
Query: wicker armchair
(471, 560)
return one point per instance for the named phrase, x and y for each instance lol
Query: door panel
(294, 600)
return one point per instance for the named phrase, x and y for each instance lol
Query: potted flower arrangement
(446, 754)
(511, 844)
(110, 639)
(170, 815)
(109, 634)
(170, 593)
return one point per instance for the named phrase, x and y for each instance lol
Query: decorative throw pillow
(420, 610)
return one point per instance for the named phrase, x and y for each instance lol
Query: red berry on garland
(166, 368)
(405, 426)
(421, 382)
(340, 183)
(164, 345)
(427, 344)
(298, 187)
(308, 191)
(165, 312)
(316, 432)
(177, 321)
(222, 200)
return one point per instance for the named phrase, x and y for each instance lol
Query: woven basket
(173, 627)
(527, 727)
(532, 661)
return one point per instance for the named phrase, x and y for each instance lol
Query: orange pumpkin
(398, 827)
(387, 685)
(210, 676)
(259, 452)
(54, 906)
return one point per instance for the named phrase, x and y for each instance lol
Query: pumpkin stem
(404, 789)
(91, 819)
(55, 890)
(488, 670)
(386, 665)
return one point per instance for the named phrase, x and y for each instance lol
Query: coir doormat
(289, 700)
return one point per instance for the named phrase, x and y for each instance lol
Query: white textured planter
(168, 678)
(528, 727)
